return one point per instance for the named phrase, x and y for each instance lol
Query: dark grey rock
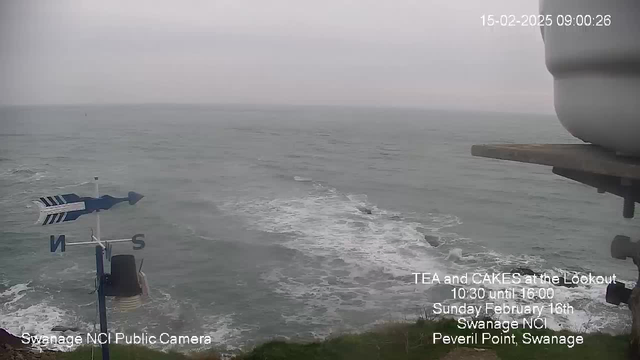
(432, 240)
(65, 328)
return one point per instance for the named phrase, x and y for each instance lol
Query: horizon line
(352, 106)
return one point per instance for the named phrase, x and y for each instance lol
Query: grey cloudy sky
(426, 53)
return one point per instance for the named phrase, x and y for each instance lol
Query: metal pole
(102, 307)
(97, 211)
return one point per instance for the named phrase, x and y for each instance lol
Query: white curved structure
(596, 71)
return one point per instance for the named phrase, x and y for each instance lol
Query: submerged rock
(523, 271)
(65, 328)
(432, 240)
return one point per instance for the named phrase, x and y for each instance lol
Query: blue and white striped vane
(68, 207)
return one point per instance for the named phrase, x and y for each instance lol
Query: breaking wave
(358, 261)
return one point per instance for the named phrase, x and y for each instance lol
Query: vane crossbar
(94, 242)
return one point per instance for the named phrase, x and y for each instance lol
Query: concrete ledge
(581, 157)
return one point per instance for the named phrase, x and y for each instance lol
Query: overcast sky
(425, 53)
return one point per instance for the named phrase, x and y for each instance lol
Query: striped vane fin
(59, 208)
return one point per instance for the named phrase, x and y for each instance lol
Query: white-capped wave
(74, 185)
(332, 225)
(37, 319)
(222, 330)
(302, 179)
(13, 294)
(359, 260)
(353, 261)
(590, 312)
(23, 174)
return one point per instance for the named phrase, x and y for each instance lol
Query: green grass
(390, 342)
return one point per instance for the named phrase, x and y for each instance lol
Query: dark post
(102, 307)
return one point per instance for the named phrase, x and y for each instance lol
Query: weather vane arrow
(68, 207)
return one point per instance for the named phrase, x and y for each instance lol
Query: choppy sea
(267, 222)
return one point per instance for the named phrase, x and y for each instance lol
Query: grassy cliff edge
(397, 341)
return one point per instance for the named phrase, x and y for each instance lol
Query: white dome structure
(596, 69)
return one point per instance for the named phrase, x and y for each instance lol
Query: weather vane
(68, 207)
